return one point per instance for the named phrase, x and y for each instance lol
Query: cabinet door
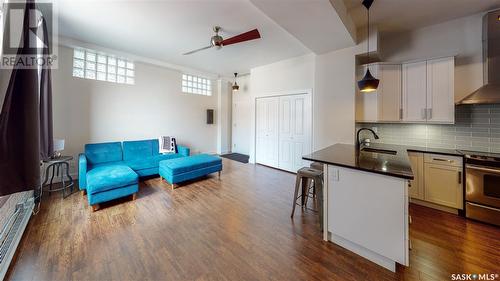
(366, 103)
(414, 91)
(416, 186)
(440, 90)
(389, 92)
(267, 131)
(443, 185)
(295, 131)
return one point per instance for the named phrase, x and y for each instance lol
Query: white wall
(223, 113)
(333, 102)
(330, 78)
(461, 37)
(241, 113)
(88, 111)
(282, 77)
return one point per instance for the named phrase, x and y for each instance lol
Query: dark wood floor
(238, 228)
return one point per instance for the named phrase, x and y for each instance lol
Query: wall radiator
(12, 231)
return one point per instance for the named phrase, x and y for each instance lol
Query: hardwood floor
(238, 228)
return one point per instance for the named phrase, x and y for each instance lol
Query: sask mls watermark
(29, 35)
(474, 276)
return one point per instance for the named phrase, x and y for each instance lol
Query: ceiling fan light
(368, 83)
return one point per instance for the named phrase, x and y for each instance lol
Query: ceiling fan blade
(247, 36)
(197, 50)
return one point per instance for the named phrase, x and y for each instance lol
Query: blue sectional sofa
(111, 170)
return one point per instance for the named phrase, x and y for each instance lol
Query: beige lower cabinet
(437, 179)
(416, 186)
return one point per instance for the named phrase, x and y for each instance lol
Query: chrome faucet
(358, 144)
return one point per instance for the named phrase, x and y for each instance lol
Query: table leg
(52, 177)
(62, 181)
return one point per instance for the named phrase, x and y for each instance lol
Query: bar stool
(316, 166)
(304, 177)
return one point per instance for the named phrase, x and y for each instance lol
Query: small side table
(59, 167)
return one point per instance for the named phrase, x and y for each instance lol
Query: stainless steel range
(482, 194)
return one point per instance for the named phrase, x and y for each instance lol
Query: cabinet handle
(400, 114)
(442, 160)
(424, 113)
(429, 113)
(459, 177)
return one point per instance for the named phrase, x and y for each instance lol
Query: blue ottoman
(109, 182)
(187, 168)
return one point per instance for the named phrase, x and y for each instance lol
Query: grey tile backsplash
(477, 127)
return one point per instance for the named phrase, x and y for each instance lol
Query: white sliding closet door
(283, 131)
(267, 131)
(294, 131)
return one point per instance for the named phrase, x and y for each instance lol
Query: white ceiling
(163, 30)
(319, 25)
(400, 15)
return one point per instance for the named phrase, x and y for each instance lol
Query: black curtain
(25, 131)
(46, 131)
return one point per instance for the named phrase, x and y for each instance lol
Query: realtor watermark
(29, 39)
(475, 276)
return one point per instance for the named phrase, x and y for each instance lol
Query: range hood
(490, 92)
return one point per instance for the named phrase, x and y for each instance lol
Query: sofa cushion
(93, 166)
(107, 177)
(149, 162)
(103, 152)
(137, 149)
(190, 163)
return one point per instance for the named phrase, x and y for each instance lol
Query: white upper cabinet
(389, 97)
(440, 90)
(414, 91)
(428, 91)
(417, 92)
(384, 104)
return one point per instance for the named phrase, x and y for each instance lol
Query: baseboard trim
(434, 206)
(364, 252)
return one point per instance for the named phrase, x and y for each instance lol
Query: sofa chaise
(111, 170)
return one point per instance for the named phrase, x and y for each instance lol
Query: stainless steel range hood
(490, 92)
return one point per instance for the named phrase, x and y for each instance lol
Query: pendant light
(235, 85)
(368, 83)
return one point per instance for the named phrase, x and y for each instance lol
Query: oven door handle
(483, 169)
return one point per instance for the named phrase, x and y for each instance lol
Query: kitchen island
(366, 200)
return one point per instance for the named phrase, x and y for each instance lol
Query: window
(94, 65)
(196, 85)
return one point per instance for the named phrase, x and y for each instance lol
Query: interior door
(295, 131)
(414, 91)
(267, 110)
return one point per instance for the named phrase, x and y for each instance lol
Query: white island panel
(367, 213)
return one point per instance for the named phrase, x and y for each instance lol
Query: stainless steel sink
(376, 150)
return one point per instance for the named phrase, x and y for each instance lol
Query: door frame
(281, 94)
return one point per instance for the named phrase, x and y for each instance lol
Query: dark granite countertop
(443, 151)
(346, 155)
(396, 165)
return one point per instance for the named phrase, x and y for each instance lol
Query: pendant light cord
(368, 40)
